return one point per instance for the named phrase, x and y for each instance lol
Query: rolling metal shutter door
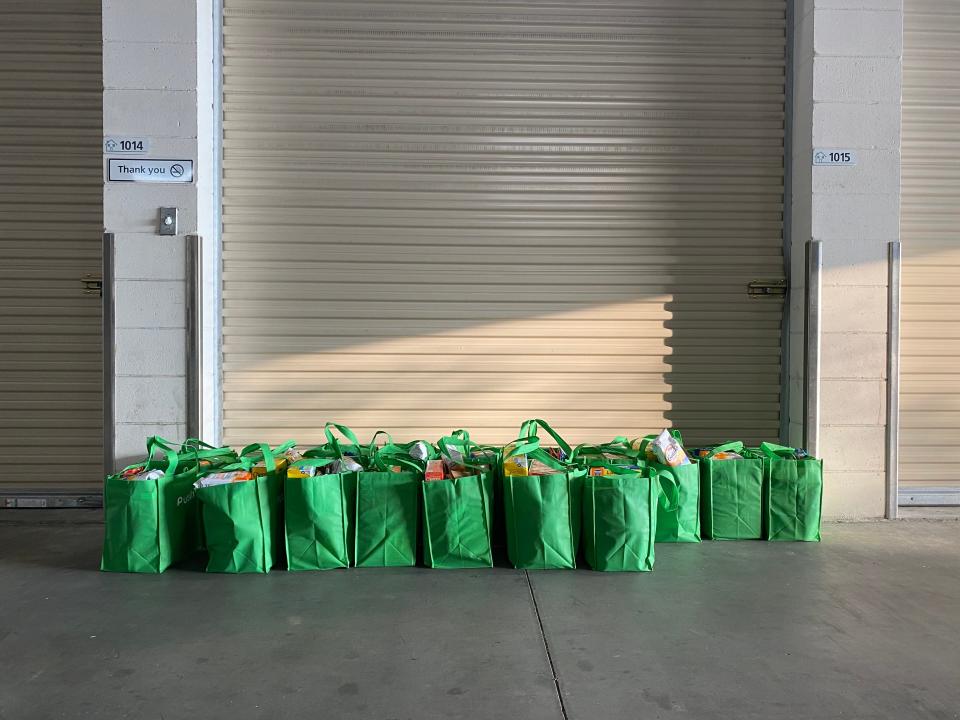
(442, 215)
(930, 231)
(51, 224)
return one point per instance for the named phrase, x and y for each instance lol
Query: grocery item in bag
(420, 451)
(557, 453)
(144, 475)
(434, 470)
(222, 478)
(345, 465)
(599, 472)
(701, 453)
(515, 465)
(668, 450)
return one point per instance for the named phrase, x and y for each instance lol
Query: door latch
(767, 288)
(92, 285)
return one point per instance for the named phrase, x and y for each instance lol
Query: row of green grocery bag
(450, 503)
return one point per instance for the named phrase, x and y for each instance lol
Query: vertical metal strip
(109, 359)
(893, 380)
(214, 395)
(194, 324)
(811, 342)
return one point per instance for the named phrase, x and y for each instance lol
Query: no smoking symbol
(176, 170)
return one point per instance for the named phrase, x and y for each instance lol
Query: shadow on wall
(479, 216)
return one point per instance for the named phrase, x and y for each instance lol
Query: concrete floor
(863, 625)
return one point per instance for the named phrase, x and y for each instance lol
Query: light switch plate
(167, 221)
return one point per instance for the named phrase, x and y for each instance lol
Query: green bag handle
(529, 429)
(775, 452)
(155, 441)
(736, 447)
(373, 441)
(463, 437)
(602, 450)
(396, 455)
(328, 450)
(193, 448)
(173, 460)
(343, 429)
(198, 444)
(466, 460)
(334, 445)
(249, 452)
(269, 456)
(669, 503)
(531, 446)
(522, 446)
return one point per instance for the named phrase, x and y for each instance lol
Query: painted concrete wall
(150, 89)
(847, 74)
(159, 63)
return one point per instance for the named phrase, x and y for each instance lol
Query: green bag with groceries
(620, 515)
(150, 513)
(387, 505)
(731, 493)
(541, 497)
(793, 493)
(679, 521)
(458, 504)
(318, 508)
(242, 510)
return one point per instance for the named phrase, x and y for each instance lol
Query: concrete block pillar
(150, 77)
(847, 80)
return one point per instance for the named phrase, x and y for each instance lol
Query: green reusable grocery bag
(682, 522)
(318, 511)
(620, 517)
(386, 519)
(458, 512)
(731, 496)
(793, 494)
(387, 510)
(457, 521)
(243, 521)
(542, 512)
(150, 524)
(676, 522)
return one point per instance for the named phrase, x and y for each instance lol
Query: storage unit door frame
(930, 240)
(464, 214)
(51, 224)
